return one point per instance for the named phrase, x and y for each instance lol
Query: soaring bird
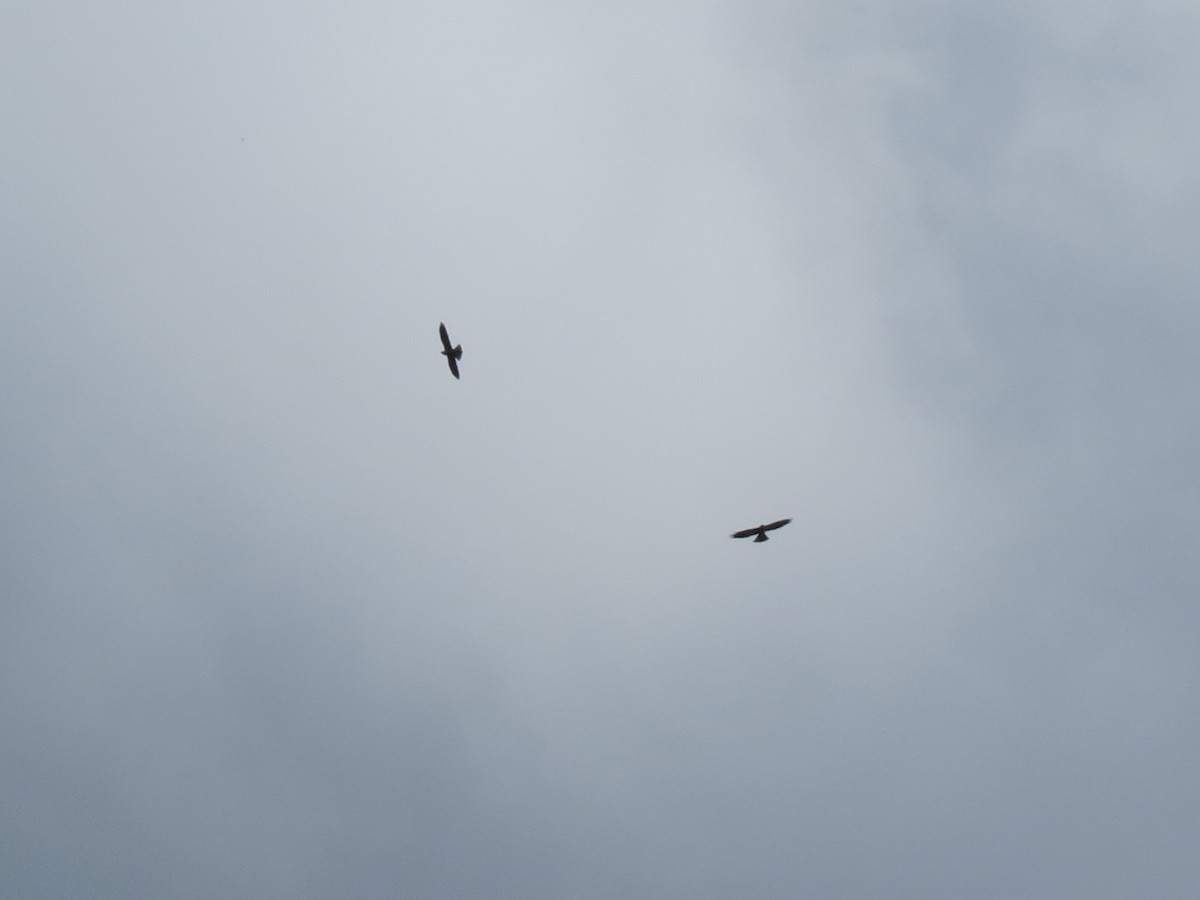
(452, 354)
(760, 532)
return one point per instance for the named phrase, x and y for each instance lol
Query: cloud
(291, 612)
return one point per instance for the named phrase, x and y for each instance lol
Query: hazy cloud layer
(289, 612)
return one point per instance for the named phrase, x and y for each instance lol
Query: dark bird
(760, 532)
(452, 354)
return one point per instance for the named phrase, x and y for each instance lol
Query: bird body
(452, 354)
(760, 532)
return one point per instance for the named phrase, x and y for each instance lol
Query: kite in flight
(452, 354)
(761, 531)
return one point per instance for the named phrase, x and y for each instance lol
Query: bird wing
(746, 533)
(453, 365)
(775, 525)
(445, 338)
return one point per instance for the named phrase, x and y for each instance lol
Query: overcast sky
(288, 612)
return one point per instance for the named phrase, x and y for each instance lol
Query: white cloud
(301, 611)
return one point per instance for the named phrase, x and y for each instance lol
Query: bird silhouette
(452, 354)
(760, 532)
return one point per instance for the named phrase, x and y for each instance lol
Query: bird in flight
(452, 354)
(760, 532)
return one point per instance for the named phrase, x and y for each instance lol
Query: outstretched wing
(775, 525)
(453, 365)
(445, 338)
(745, 533)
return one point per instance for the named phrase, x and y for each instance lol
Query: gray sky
(289, 612)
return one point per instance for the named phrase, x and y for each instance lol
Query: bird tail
(760, 537)
(458, 352)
